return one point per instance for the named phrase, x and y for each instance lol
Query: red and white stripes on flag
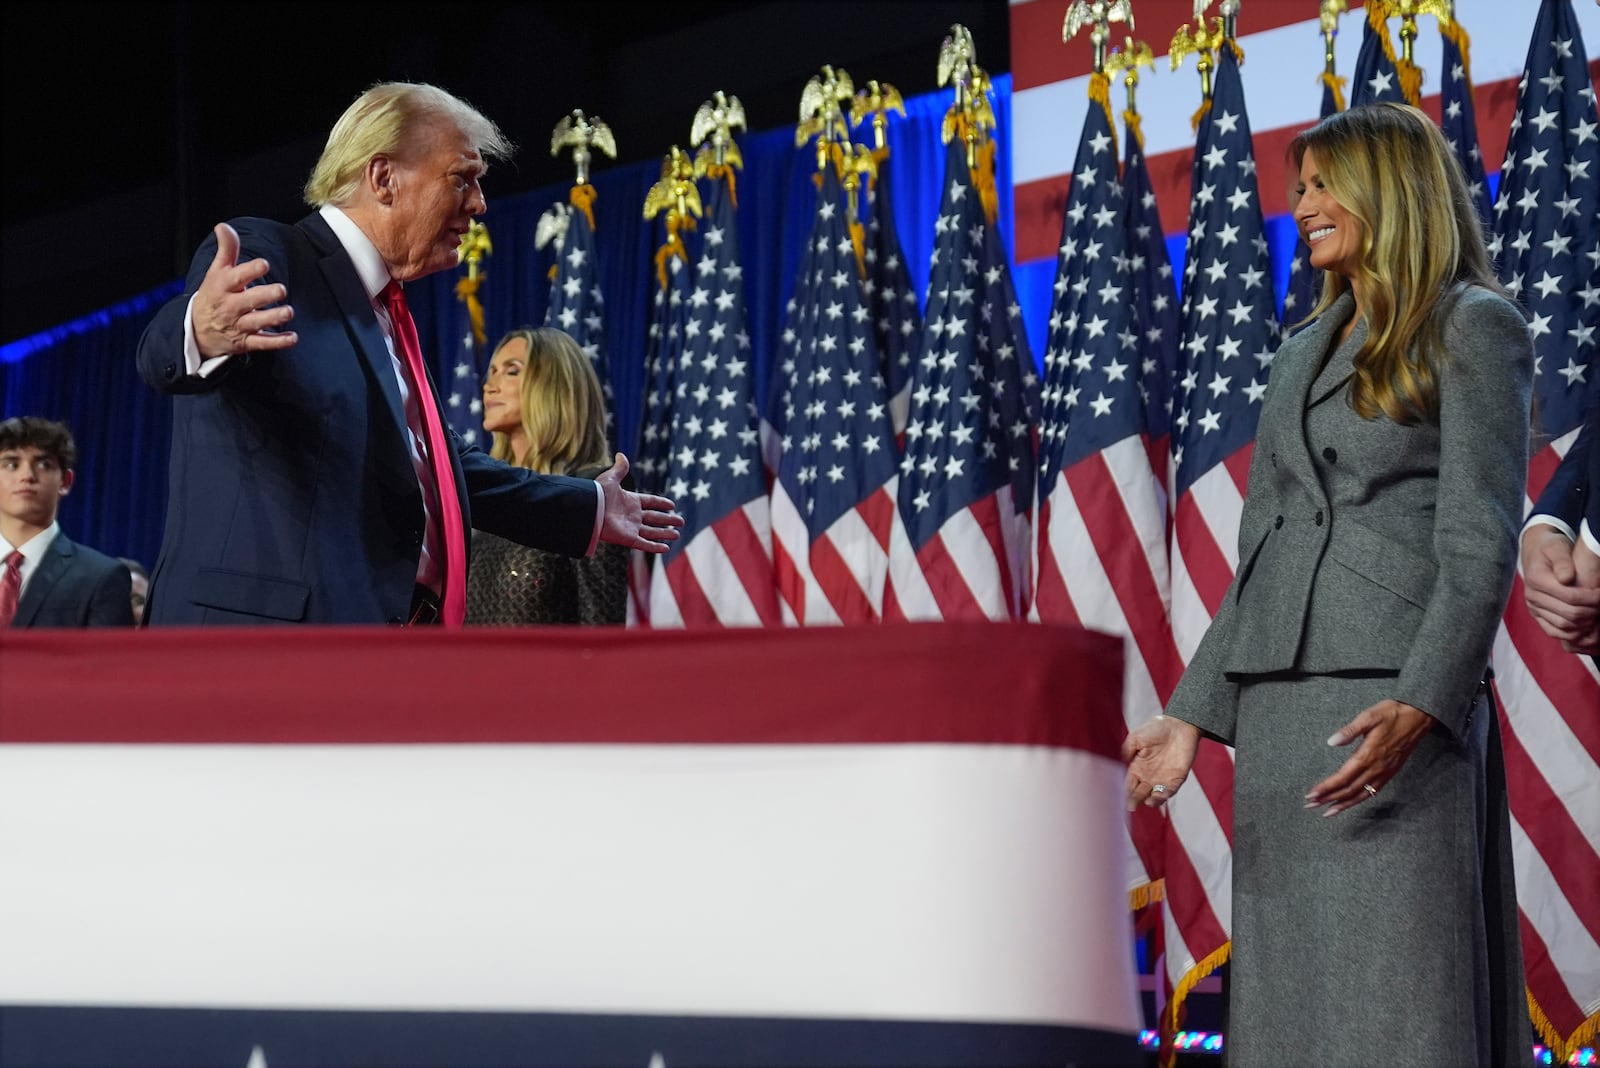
(830, 446)
(1101, 551)
(1546, 244)
(719, 573)
(1552, 736)
(967, 477)
(1282, 43)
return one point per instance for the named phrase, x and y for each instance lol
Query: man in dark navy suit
(1561, 546)
(47, 579)
(310, 478)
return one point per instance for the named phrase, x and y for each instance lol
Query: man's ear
(381, 178)
(66, 481)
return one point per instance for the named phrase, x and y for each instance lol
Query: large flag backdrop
(79, 371)
(1547, 238)
(1549, 695)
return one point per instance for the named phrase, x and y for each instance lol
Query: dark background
(131, 128)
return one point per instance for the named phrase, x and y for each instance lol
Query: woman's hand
(1159, 754)
(1389, 732)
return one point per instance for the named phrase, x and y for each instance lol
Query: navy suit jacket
(292, 497)
(75, 586)
(1571, 495)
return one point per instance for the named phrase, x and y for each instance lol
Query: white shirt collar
(33, 550)
(363, 253)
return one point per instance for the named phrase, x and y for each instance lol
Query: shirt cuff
(1591, 537)
(599, 519)
(1550, 521)
(193, 362)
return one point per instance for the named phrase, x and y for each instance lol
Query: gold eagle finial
(1200, 41)
(552, 225)
(582, 133)
(474, 246)
(1126, 61)
(1408, 10)
(971, 115)
(712, 132)
(675, 192)
(822, 111)
(1098, 14)
(876, 100)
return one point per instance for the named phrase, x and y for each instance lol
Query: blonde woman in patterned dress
(543, 403)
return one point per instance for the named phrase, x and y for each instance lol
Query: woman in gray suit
(1376, 550)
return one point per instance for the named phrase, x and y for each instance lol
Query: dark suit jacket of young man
(292, 497)
(1573, 493)
(75, 586)
(1570, 494)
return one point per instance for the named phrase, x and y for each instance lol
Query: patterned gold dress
(512, 585)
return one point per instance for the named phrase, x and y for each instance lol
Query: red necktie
(10, 588)
(453, 595)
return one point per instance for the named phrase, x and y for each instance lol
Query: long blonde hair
(563, 410)
(1390, 167)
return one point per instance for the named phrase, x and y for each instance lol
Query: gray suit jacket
(1391, 548)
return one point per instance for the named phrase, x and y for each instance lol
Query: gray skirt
(1386, 934)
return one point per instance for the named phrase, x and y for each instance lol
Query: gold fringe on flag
(1190, 980)
(673, 245)
(1100, 93)
(858, 241)
(1200, 113)
(983, 182)
(1148, 894)
(1456, 34)
(582, 198)
(467, 290)
(1562, 1049)
(879, 157)
(719, 171)
(1135, 125)
(1378, 15)
(1336, 84)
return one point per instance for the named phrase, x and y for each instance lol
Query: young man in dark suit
(1561, 546)
(47, 579)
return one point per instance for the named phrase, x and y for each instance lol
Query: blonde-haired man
(311, 479)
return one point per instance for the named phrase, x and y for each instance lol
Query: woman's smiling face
(1331, 232)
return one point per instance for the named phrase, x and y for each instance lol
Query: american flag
(1102, 526)
(720, 569)
(833, 498)
(1155, 299)
(1305, 283)
(576, 303)
(671, 279)
(896, 311)
(1458, 117)
(463, 389)
(1376, 80)
(1547, 243)
(1228, 338)
(967, 477)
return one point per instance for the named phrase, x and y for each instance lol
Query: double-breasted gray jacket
(1393, 547)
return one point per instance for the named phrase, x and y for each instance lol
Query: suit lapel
(1305, 375)
(360, 319)
(1302, 370)
(57, 559)
(1340, 365)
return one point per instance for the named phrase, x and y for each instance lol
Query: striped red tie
(446, 505)
(10, 588)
